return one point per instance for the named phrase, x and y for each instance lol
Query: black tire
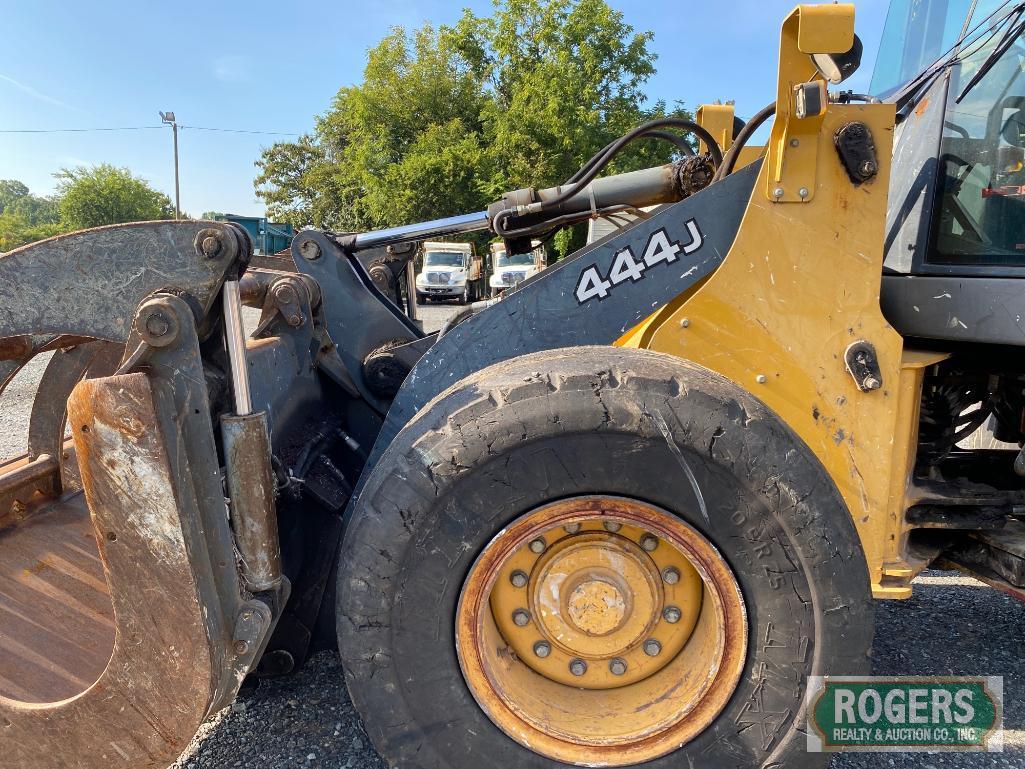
(580, 421)
(421, 297)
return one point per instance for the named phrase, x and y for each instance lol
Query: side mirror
(837, 67)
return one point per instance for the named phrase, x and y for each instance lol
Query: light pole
(168, 118)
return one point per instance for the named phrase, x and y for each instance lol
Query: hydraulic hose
(668, 136)
(730, 160)
(595, 165)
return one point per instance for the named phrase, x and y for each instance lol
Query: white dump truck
(508, 271)
(450, 271)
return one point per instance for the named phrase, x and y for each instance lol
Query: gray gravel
(952, 626)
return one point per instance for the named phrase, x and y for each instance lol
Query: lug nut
(572, 528)
(612, 526)
(652, 647)
(537, 545)
(521, 617)
(542, 649)
(518, 578)
(672, 614)
(577, 667)
(670, 575)
(617, 666)
(649, 543)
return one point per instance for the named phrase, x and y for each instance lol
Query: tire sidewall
(430, 506)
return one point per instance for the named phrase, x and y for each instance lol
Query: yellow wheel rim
(601, 630)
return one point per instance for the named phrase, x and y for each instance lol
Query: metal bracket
(718, 120)
(793, 144)
(251, 628)
(354, 309)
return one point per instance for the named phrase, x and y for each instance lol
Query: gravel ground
(958, 627)
(952, 626)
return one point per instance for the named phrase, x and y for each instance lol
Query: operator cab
(958, 182)
(955, 230)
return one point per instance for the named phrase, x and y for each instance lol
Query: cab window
(980, 214)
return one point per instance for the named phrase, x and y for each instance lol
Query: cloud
(231, 68)
(36, 94)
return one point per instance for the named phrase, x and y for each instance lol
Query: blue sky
(273, 66)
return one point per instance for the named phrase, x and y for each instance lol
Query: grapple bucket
(123, 620)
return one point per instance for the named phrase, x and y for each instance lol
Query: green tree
(16, 230)
(105, 194)
(296, 181)
(25, 217)
(11, 192)
(448, 118)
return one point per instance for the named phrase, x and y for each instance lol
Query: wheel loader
(617, 517)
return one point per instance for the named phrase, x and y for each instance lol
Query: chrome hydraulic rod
(235, 339)
(452, 225)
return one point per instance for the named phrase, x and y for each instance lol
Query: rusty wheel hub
(601, 630)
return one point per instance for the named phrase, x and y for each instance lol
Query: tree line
(448, 118)
(85, 197)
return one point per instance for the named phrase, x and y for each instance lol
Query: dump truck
(508, 270)
(619, 517)
(450, 271)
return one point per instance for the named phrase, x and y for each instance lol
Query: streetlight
(168, 119)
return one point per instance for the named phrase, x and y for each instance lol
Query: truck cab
(450, 271)
(507, 271)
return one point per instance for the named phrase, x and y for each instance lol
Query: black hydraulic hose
(730, 161)
(679, 141)
(548, 224)
(846, 97)
(587, 172)
(668, 136)
(641, 133)
(595, 165)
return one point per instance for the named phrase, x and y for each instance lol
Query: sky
(271, 67)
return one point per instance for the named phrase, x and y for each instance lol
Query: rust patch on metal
(251, 489)
(15, 347)
(22, 481)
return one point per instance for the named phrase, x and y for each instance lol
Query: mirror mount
(809, 31)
